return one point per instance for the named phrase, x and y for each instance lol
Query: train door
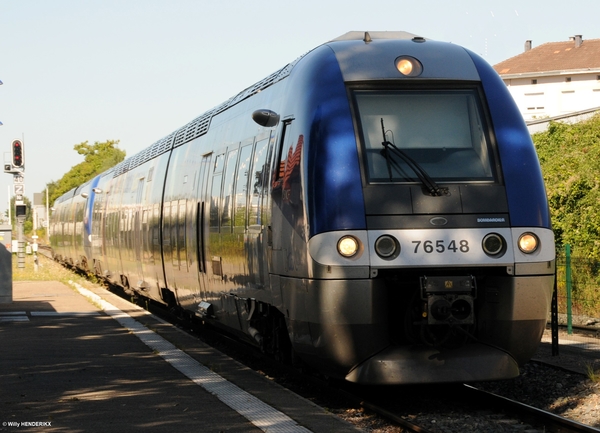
(112, 233)
(240, 215)
(88, 223)
(101, 224)
(275, 233)
(215, 218)
(138, 243)
(225, 249)
(258, 211)
(201, 213)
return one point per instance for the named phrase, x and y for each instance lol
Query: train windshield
(438, 133)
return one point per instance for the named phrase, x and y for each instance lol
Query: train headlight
(493, 244)
(387, 247)
(348, 246)
(528, 243)
(409, 66)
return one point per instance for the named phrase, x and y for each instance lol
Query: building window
(568, 79)
(533, 81)
(535, 102)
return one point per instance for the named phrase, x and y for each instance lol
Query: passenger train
(375, 208)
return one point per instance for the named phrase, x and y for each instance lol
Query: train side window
(215, 194)
(227, 197)
(279, 168)
(219, 161)
(181, 235)
(154, 223)
(258, 181)
(241, 189)
(173, 234)
(215, 201)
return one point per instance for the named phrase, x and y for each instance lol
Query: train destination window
(440, 131)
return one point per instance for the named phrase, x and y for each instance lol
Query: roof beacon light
(409, 66)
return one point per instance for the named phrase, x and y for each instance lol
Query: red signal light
(17, 153)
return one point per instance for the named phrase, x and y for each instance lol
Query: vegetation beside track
(47, 270)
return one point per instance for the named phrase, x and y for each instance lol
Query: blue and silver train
(375, 208)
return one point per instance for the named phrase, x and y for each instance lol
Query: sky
(137, 70)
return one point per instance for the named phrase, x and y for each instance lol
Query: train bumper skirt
(413, 365)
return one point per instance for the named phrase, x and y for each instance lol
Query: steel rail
(551, 421)
(402, 422)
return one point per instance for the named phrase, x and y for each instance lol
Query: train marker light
(348, 246)
(386, 247)
(409, 66)
(17, 153)
(493, 244)
(528, 243)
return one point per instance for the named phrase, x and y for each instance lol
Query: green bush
(570, 160)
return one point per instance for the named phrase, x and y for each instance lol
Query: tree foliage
(570, 160)
(98, 158)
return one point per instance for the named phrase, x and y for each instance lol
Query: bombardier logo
(491, 220)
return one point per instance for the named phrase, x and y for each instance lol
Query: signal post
(16, 167)
(18, 171)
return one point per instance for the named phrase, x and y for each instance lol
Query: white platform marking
(256, 411)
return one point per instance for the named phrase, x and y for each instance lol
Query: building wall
(554, 95)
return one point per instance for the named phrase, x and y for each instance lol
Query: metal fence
(578, 300)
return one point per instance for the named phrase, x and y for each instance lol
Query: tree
(98, 158)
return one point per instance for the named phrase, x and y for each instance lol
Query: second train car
(375, 207)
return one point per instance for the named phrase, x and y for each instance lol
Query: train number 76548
(441, 246)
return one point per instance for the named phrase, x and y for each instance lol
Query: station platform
(77, 359)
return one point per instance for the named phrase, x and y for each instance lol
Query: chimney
(527, 45)
(578, 41)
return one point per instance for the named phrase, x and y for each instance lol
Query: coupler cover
(449, 299)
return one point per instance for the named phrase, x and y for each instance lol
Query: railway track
(477, 410)
(550, 421)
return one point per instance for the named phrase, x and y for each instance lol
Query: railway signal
(16, 167)
(17, 153)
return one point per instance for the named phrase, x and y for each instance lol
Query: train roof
(200, 125)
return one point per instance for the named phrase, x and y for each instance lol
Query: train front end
(430, 252)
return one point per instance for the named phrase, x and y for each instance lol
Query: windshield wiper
(390, 149)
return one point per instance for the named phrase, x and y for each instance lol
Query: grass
(593, 374)
(47, 270)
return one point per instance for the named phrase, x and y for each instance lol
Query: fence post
(554, 316)
(569, 289)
